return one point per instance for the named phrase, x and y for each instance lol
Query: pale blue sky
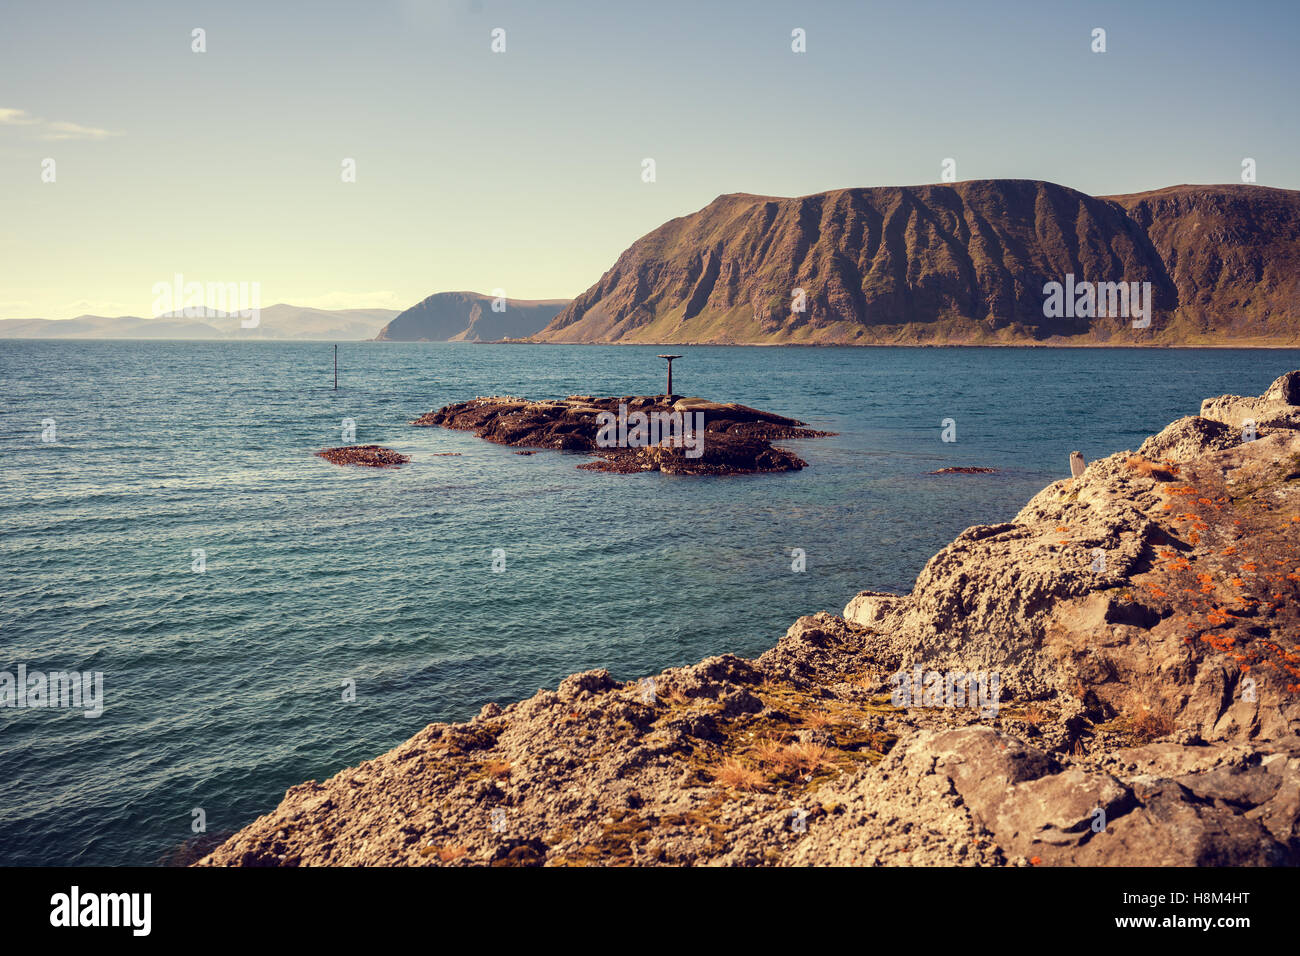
(522, 170)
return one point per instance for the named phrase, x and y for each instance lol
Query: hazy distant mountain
(275, 322)
(960, 263)
(468, 317)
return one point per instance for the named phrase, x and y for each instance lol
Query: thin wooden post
(670, 372)
(336, 368)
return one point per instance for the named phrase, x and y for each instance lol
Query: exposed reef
(683, 436)
(371, 456)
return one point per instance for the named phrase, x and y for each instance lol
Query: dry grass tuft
(735, 775)
(1035, 713)
(867, 680)
(803, 758)
(1147, 715)
(768, 751)
(1149, 469)
(816, 719)
(672, 695)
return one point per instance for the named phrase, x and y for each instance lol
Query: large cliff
(964, 264)
(1143, 624)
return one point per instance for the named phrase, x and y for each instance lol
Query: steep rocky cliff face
(961, 263)
(1136, 629)
(468, 317)
(1233, 255)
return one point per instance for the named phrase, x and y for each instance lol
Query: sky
(522, 170)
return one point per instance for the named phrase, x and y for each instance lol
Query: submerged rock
(372, 456)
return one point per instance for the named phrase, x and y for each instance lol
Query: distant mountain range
(275, 322)
(469, 317)
(965, 263)
(961, 264)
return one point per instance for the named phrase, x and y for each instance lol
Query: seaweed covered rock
(370, 456)
(636, 433)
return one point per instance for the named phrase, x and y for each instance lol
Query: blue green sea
(224, 687)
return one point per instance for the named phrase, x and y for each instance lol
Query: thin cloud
(75, 131)
(51, 129)
(13, 117)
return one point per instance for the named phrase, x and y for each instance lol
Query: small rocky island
(636, 433)
(371, 456)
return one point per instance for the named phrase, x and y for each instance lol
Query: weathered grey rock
(1189, 438)
(1278, 407)
(1285, 389)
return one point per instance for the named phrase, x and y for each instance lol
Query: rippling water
(223, 688)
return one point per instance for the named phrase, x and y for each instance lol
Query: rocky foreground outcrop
(960, 263)
(734, 439)
(1142, 621)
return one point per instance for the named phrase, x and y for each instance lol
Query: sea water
(178, 537)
